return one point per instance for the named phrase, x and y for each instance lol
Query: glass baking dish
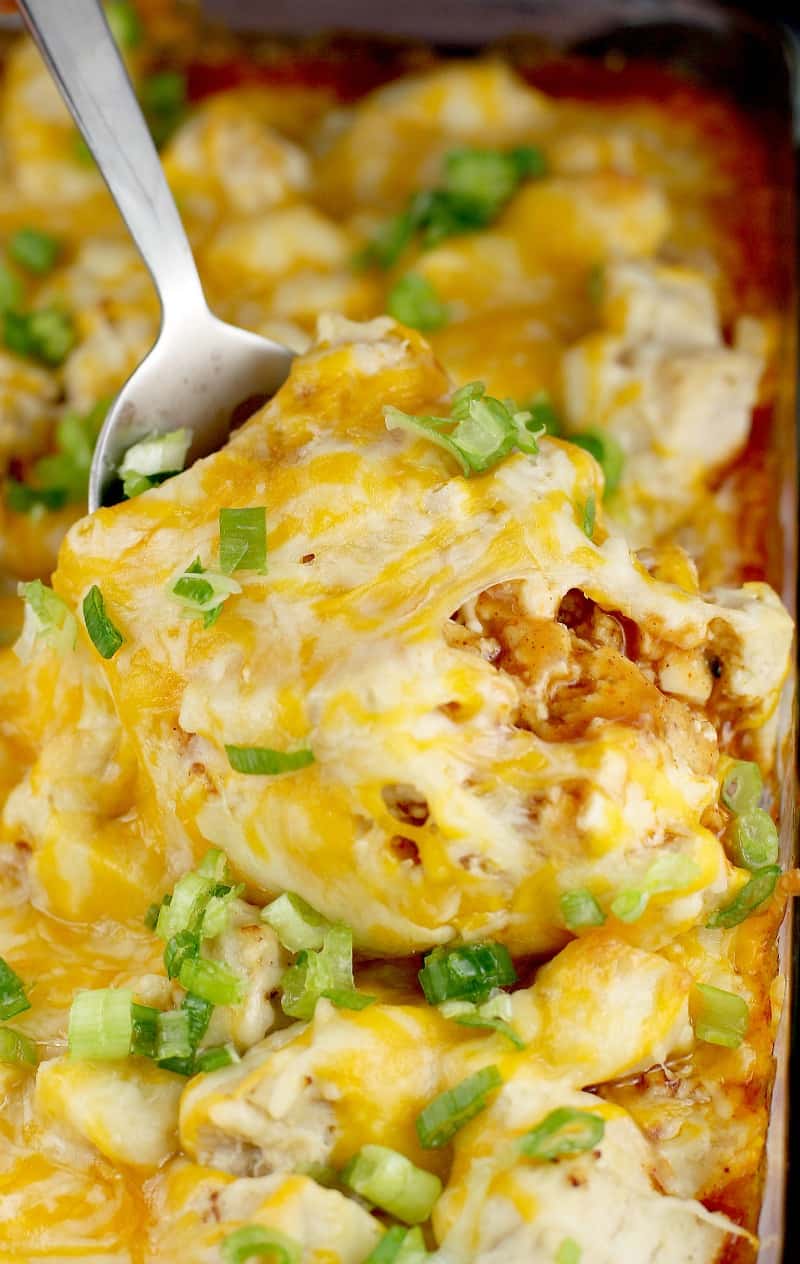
(753, 63)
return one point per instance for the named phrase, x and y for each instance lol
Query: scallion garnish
(211, 981)
(263, 761)
(742, 787)
(252, 1242)
(606, 451)
(752, 839)
(668, 872)
(48, 619)
(199, 1012)
(46, 334)
(476, 185)
(216, 1058)
(297, 925)
(144, 1030)
(466, 973)
(34, 250)
(589, 516)
(243, 540)
(181, 947)
(326, 972)
(493, 1015)
(163, 99)
(15, 1046)
(755, 893)
(543, 415)
(393, 1183)
(441, 1119)
(413, 301)
(580, 910)
(12, 992)
(399, 1245)
(718, 1017)
(479, 432)
(124, 22)
(105, 637)
(152, 460)
(202, 593)
(568, 1252)
(563, 1131)
(11, 290)
(62, 476)
(174, 1036)
(101, 1024)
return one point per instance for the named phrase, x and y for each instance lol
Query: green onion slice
(202, 593)
(243, 540)
(216, 1058)
(105, 637)
(568, 1252)
(12, 992)
(48, 619)
(543, 414)
(494, 1015)
(211, 981)
(327, 972)
(46, 334)
(263, 761)
(413, 301)
(153, 459)
(15, 1046)
(399, 1246)
(34, 250)
(199, 1014)
(756, 892)
(297, 925)
(393, 1183)
(742, 786)
(11, 289)
(468, 972)
(752, 839)
(181, 947)
(124, 23)
(606, 451)
(256, 1242)
(589, 516)
(718, 1017)
(174, 1035)
(580, 909)
(163, 98)
(446, 1114)
(101, 1024)
(563, 1131)
(144, 1030)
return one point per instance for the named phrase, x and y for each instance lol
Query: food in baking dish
(388, 856)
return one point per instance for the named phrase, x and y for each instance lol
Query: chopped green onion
(163, 99)
(15, 1046)
(327, 972)
(12, 992)
(755, 893)
(65, 473)
(105, 637)
(668, 872)
(580, 909)
(218, 909)
(101, 1024)
(21, 498)
(199, 1013)
(629, 905)
(181, 947)
(215, 865)
(569, 1252)
(348, 998)
(718, 1017)
(589, 516)
(563, 1131)
(753, 839)
(211, 981)
(295, 922)
(606, 451)
(253, 1242)
(47, 334)
(186, 906)
(144, 1030)
(174, 1035)
(48, 619)
(216, 1058)
(399, 1246)
(154, 459)
(543, 415)
(34, 250)
(742, 786)
(468, 972)
(489, 177)
(11, 290)
(493, 1015)
(413, 301)
(243, 540)
(124, 22)
(262, 761)
(442, 1118)
(393, 1183)
(202, 593)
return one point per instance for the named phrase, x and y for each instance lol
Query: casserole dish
(285, 828)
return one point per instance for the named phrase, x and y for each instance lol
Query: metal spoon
(200, 371)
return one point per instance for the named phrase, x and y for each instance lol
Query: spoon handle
(76, 43)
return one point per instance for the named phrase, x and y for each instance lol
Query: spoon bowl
(202, 374)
